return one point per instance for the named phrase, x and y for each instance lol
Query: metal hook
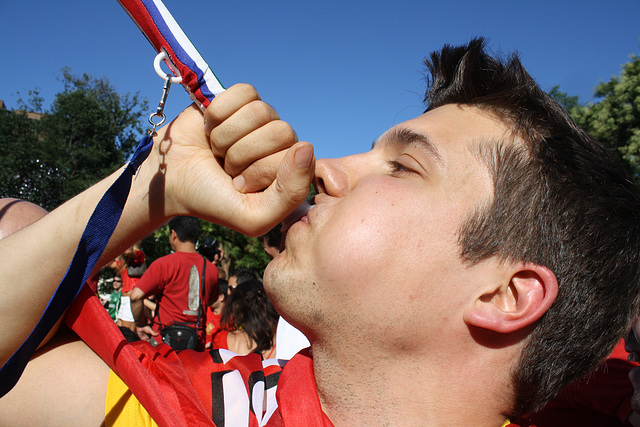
(160, 110)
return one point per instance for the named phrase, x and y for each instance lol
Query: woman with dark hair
(251, 320)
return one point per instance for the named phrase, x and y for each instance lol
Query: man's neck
(373, 389)
(188, 247)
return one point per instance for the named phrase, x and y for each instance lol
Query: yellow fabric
(505, 423)
(122, 409)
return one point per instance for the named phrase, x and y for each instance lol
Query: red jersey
(212, 326)
(235, 390)
(128, 282)
(216, 388)
(168, 278)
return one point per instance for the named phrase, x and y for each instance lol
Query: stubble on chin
(293, 297)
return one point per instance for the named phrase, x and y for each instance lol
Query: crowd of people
(233, 314)
(478, 266)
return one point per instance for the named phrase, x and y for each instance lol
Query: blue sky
(341, 72)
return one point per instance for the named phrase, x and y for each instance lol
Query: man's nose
(332, 177)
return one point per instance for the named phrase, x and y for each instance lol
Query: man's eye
(397, 167)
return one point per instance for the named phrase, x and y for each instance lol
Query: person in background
(132, 266)
(219, 339)
(184, 283)
(271, 241)
(251, 320)
(115, 297)
(240, 275)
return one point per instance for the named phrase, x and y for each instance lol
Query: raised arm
(215, 174)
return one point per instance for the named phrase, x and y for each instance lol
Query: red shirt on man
(168, 279)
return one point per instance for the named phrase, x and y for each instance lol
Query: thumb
(289, 189)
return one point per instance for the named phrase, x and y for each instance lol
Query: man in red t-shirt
(176, 281)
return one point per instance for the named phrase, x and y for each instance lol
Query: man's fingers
(227, 103)
(288, 190)
(271, 138)
(249, 118)
(260, 174)
(270, 170)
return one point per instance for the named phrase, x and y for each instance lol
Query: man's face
(380, 247)
(117, 283)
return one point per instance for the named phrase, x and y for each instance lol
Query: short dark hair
(223, 286)
(186, 227)
(273, 237)
(561, 200)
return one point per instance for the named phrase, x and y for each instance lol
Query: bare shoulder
(65, 383)
(239, 342)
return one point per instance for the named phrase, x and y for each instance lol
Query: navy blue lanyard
(94, 240)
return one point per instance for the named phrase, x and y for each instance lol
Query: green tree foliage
(615, 118)
(27, 169)
(562, 98)
(88, 132)
(243, 251)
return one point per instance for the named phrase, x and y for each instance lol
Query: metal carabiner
(160, 110)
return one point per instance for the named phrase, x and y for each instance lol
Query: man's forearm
(137, 308)
(35, 259)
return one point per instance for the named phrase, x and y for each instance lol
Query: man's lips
(294, 217)
(298, 213)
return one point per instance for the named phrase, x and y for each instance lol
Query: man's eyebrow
(403, 136)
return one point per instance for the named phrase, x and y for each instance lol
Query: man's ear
(517, 304)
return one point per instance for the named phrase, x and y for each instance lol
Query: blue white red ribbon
(164, 33)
